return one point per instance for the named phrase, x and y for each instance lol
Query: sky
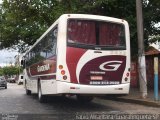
(7, 57)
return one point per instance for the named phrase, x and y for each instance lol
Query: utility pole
(141, 53)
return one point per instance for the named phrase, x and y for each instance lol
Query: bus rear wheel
(28, 92)
(85, 99)
(41, 97)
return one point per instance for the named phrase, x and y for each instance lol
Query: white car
(11, 80)
(20, 79)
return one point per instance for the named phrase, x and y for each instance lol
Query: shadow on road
(72, 104)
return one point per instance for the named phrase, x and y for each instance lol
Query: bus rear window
(97, 33)
(81, 32)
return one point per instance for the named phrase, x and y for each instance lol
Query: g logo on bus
(113, 65)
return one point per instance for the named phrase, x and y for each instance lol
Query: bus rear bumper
(70, 88)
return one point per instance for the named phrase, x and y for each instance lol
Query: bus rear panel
(97, 59)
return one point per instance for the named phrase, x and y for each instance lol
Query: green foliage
(1, 72)
(151, 13)
(154, 38)
(26, 20)
(11, 70)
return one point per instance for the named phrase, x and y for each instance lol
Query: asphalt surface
(15, 104)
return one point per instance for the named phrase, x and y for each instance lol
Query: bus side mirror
(23, 63)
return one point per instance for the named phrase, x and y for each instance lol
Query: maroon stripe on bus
(73, 55)
(47, 66)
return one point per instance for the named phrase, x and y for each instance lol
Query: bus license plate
(96, 78)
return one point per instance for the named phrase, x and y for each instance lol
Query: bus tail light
(127, 75)
(63, 72)
(64, 77)
(126, 79)
(60, 66)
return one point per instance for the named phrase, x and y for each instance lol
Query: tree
(1, 71)
(124, 9)
(20, 23)
(151, 18)
(10, 70)
(24, 21)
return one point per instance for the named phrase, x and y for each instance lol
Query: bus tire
(84, 99)
(41, 97)
(28, 92)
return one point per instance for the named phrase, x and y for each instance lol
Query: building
(150, 54)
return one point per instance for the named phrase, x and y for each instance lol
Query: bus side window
(27, 59)
(43, 52)
(52, 39)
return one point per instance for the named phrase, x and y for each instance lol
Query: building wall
(134, 74)
(149, 72)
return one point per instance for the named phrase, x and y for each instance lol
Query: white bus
(82, 55)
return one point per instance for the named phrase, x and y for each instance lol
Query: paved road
(14, 101)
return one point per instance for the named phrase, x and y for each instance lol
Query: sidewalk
(135, 97)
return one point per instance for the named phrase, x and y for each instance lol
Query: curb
(136, 101)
